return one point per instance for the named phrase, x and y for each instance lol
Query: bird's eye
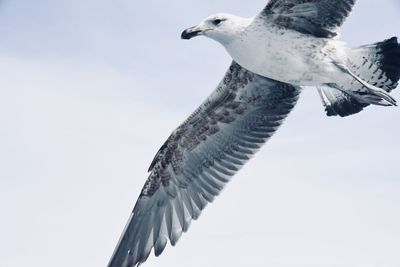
(216, 22)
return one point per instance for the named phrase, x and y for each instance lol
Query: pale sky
(90, 89)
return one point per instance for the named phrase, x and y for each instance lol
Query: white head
(220, 27)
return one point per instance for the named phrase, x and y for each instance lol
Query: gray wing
(320, 18)
(200, 157)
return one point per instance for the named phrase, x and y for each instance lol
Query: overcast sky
(90, 89)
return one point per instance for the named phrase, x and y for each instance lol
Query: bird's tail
(378, 65)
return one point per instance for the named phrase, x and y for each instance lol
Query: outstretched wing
(200, 157)
(320, 18)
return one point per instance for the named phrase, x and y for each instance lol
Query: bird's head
(220, 27)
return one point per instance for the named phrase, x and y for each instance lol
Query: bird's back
(280, 54)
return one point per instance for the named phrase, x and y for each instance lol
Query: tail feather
(389, 53)
(377, 64)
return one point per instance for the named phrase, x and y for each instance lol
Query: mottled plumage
(200, 157)
(320, 18)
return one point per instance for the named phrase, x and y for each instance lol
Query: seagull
(292, 41)
(290, 44)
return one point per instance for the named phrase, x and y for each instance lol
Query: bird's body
(286, 55)
(288, 45)
(291, 55)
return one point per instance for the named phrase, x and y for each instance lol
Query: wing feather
(200, 157)
(320, 18)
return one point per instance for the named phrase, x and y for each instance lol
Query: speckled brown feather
(200, 157)
(202, 124)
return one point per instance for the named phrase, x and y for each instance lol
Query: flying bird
(290, 44)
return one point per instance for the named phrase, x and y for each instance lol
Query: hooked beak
(191, 32)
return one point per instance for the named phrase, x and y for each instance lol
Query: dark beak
(190, 33)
